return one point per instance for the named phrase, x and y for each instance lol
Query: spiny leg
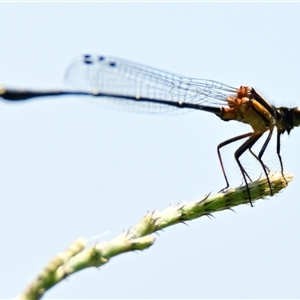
(250, 150)
(227, 142)
(260, 154)
(245, 146)
(264, 167)
(279, 155)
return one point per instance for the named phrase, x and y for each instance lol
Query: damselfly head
(296, 116)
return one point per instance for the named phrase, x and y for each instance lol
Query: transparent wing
(105, 74)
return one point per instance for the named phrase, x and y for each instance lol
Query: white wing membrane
(101, 74)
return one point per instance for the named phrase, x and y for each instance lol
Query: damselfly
(130, 86)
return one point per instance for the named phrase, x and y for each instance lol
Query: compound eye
(296, 116)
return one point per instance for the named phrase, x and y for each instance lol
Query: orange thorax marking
(249, 111)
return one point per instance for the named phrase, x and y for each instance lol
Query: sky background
(71, 169)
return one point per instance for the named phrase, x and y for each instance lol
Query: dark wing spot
(87, 59)
(100, 58)
(112, 64)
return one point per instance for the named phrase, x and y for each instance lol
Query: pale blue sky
(71, 169)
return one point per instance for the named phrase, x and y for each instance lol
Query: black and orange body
(130, 86)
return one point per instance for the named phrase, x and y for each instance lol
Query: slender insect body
(130, 86)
